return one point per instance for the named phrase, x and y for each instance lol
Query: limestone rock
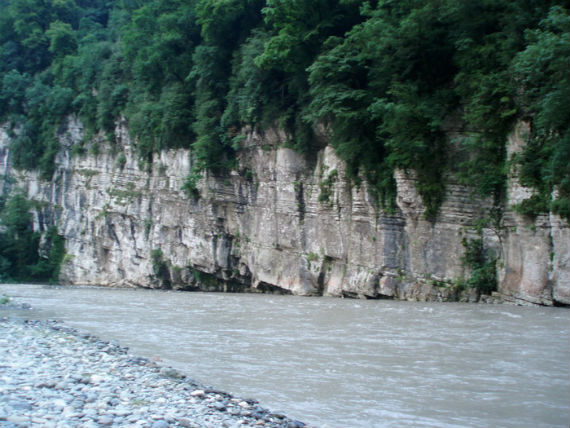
(282, 224)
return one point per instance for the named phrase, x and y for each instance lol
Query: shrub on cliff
(20, 258)
(481, 266)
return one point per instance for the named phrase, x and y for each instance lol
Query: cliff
(284, 223)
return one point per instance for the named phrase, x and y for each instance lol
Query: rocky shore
(59, 377)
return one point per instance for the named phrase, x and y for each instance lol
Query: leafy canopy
(431, 87)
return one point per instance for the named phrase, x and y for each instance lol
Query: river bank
(57, 376)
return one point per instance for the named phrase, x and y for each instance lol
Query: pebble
(56, 376)
(96, 379)
(170, 372)
(105, 420)
(18, 420)
(59, 404)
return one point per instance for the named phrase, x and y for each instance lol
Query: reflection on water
(340, 362)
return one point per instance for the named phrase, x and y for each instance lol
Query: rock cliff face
(283, 224)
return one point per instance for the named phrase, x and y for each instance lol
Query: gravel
(53, 376)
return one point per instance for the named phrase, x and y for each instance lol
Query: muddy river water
(338, 362)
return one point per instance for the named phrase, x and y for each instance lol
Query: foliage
(389, 82)
(296, 33)
(156, 257)
(160, 267)
(158, 44)
(20, 258)
(326, 187)
(542, 70)
(481, 265)
(533, 206)
(190, 186)
(385, 102)
(252, 98)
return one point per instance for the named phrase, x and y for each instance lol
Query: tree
(62, 39)
(544, 81)
(19, 253)
(19, 242)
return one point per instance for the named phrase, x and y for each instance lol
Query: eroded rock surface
(281, 223)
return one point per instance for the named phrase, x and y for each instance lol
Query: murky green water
(338, 362)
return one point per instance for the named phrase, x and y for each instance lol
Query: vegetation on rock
(20, 256)
(390, 80)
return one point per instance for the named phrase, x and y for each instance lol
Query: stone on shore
(55, 376)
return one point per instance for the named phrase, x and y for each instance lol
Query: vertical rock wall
(283, 223)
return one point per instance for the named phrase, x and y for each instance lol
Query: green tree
(388, 80)
(224, 26)
(297, 31)
(385, 102)
(19, 253)
(62, 39)
(19, 242)
(542, 73)
(13, 91)
(158, 44)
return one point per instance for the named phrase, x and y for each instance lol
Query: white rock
(60, 404)
(96, 379)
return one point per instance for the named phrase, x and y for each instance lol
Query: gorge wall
(282, 224)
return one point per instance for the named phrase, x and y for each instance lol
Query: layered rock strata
(283, 223)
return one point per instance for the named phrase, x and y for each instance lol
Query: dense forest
(395, 83)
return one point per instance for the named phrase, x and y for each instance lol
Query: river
(338, 362)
